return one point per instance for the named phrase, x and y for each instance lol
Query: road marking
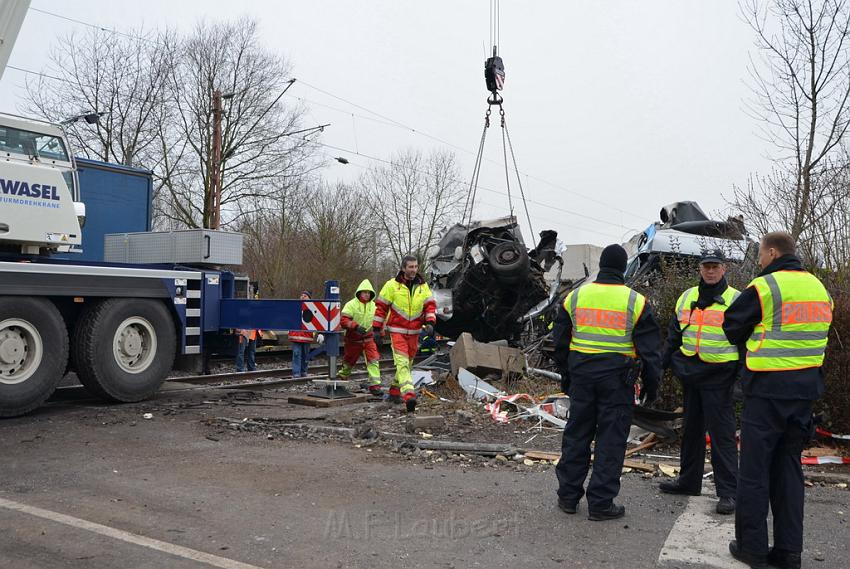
(699, 538)
(165, 547)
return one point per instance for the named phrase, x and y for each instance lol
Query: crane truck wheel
(124, 348)
(33, 353)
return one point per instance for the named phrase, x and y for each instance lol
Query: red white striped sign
(318, 316)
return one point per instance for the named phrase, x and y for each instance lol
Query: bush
(835, 404)
(663, 287)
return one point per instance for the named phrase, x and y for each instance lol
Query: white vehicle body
(38, 187)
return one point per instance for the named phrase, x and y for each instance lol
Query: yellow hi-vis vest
(796, 314)
(604, 316)
(702, 330)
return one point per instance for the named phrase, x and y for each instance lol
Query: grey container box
(189, 247)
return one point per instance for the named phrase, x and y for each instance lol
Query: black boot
(783, 559)
(751, 559)
(675, 487)
(612, 512)
(725, 506)
(567, 506)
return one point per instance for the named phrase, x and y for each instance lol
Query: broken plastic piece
(476, 387)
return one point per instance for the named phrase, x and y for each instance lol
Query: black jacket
(738, 324)
(690, 369)
(589, 368)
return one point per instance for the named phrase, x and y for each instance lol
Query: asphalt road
(89, 486)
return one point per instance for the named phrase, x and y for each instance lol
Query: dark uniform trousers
(602, 408)
(711, 409)
(773, 434)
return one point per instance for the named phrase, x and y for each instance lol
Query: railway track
(257, 379)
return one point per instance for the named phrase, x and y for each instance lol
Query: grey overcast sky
(615, 108)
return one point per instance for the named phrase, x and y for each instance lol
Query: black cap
(307, 292)
(613, 257)
(715, 256)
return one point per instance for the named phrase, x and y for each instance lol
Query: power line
(386, 118)
(389, 162)
(90, 25)
(482, 202)
(391, 122)
(456, 180)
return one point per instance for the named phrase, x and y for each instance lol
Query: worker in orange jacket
(404, 306)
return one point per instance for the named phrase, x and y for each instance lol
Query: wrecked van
(488, 283)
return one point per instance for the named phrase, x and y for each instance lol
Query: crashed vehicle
(685, 232)
(486, 282)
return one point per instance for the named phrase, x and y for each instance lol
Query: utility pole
(215, 174)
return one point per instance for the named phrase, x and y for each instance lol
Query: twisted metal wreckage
(489, 284)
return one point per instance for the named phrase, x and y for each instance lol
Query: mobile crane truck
(121, 326)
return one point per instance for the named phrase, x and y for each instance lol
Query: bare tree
(273, 236)
(412, 197)
(258, 153)
(123, 77)
(307, 236)
(155, 93)
(801, 80)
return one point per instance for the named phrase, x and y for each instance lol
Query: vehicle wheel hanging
(33, 353)
(509, 262)
(124, 348)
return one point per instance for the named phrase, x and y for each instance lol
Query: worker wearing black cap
(707, 364)
(602, 330)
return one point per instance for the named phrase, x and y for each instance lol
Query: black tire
(509, 262)
(98, 359)
(45, 363)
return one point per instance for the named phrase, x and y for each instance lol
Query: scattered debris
(464, 417)
(147, 416)
(480, 357)
(668, 470)
(422, 377)
(649, 442)
(428, 422)
(476, 387)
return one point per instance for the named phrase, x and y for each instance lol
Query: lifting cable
(494, 77)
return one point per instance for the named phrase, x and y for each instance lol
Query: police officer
(784, 317)
(603, 328)
(707, 365)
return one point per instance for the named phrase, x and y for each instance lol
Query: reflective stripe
(379, 319)
(730, 349)
(817, 335)
(630, 314)
(776, 295)
(591, 337)
(403, 315)
(785, 352)
(681, 306)
(399, 330)
(704, 335)
(627, 349)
